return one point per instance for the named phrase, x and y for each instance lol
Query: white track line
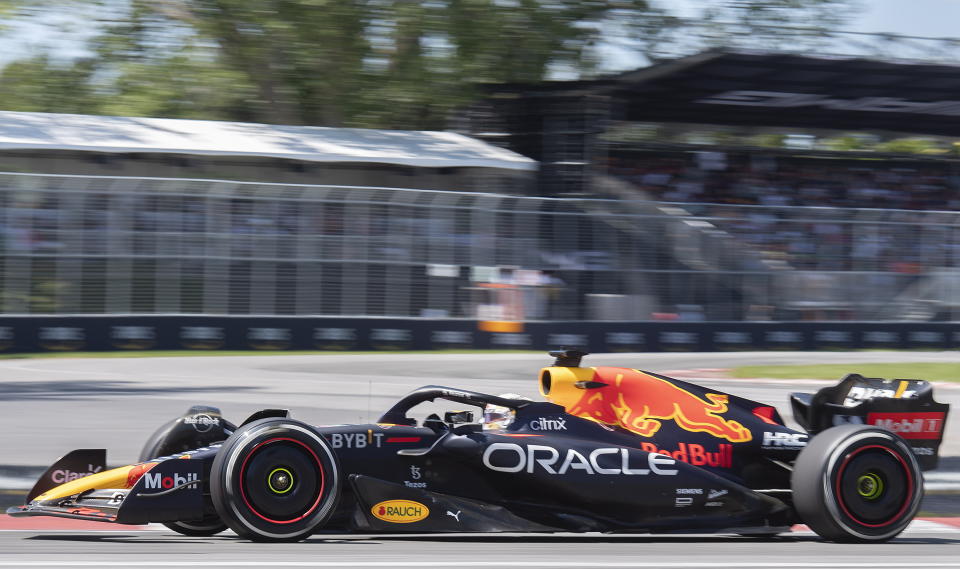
(917, 526)
(490, 563)
(14, 483)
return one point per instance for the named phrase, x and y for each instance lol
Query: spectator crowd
(770, 180)
(814, 213)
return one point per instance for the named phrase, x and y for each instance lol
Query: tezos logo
(61, 476)
(158, 481)
(543, 424)
(784, 440)
(416, 475)
(400, 511)
(202, 422)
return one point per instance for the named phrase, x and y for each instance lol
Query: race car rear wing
(904, 406)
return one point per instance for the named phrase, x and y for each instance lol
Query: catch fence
(112, 245)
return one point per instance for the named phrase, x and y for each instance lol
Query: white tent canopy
(197, 137)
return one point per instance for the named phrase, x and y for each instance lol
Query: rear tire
(275, 479)
(857, 483)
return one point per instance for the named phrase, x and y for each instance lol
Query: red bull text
(695, 454)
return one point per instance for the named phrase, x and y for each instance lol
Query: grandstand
(792, 231)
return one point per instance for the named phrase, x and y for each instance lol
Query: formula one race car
(614, 450)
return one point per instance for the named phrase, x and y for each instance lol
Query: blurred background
(477, 173)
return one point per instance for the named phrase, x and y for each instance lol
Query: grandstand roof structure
(104, 134)
(752, 88)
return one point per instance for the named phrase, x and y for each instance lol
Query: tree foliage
(366, 63)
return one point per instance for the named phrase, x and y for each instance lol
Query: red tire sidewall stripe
(243, 469)
(906, 501)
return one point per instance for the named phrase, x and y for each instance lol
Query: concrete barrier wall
(112, 333)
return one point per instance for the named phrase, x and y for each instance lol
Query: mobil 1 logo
(175, 475)
(174, 486)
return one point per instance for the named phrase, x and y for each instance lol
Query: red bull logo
(137, 471)
(640, 403)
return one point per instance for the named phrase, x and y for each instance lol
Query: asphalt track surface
(48, 407)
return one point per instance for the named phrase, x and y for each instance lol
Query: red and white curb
(919, 525)
(43, 524)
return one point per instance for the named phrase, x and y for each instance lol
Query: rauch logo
(400, 511)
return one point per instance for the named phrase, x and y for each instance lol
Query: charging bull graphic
(640, 403)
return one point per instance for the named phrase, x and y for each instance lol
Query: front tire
(158, 445)
(209, 525)
(857, 483)
(275, 479)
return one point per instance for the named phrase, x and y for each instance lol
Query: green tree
(42, 85)
(366, 63)
(773, 24)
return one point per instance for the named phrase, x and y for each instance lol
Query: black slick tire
(275, 479)
(209, 525)
(857, 483)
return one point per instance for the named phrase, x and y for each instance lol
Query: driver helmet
(497, 417)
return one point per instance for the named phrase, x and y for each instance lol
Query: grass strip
(930, 371)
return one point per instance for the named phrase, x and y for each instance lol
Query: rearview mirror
(458, 417)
